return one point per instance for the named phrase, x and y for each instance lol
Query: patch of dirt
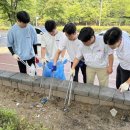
(51, 115)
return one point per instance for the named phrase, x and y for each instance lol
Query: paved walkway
(8, 63)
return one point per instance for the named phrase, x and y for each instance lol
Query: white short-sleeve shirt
(123, 52)
(96, 55)
(51, 43)
(71, 47)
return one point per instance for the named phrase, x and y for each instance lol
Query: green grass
(9, 120)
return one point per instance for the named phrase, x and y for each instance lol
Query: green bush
(99, 28)
(4, 27)
(96, 28)
(8, 120)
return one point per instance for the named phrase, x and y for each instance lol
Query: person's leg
(76, 73)
(90, 75)
(83, 70)
(118, 77)
(103, 77)
(125, 75)
(22, 67)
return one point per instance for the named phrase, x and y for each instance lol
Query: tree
(9, 7)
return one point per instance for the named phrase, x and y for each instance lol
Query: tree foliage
(114, 12)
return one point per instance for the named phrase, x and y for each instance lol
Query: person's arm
(63, 53)
(35, 49)
(55, 60)
(75, 63)
(43, 48)
(110, 64)
(43, 52)
(11, 50)
(13, 54)
(57, 56)
(10, 44)
(34, 39)
(128, 81)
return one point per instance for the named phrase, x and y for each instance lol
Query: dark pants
(22, 67)
(121, 76)
(83, 70)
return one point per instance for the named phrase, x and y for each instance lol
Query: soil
(51, 115)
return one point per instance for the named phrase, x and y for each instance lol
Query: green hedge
(96, 28)
(100, 28)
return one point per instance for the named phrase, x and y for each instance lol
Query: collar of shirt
(121, 45)
(93, 46)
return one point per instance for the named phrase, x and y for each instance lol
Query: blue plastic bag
(58, 74)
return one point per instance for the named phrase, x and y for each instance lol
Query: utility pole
(100, 17)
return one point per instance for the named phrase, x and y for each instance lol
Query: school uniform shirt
(51, 43)
(71, 47)
(123, 52)
(95, 55)
(22, 41)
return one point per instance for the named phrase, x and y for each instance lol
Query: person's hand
(36, 59)
(124, 87)
(16, 57)
(44, 60)
(53, 68)
(72, 72)
(109, 69)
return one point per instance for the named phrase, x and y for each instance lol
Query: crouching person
(98, 57)
(116, 39)
(71, 44)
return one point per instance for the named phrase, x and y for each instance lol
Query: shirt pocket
(99, 54)
(88, 57)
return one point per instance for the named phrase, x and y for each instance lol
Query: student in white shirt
(71, 44)
(51, 41)
(116, 39)
(98, 57)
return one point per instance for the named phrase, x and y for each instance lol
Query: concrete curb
(85, 93)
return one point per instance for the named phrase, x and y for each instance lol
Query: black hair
(23, 16)
(86, 34)
(69, 28)
(112, 35)
(50, 25)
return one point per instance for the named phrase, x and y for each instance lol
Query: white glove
(16, 57)
(44, 60)
(72, 72)
(124, 87)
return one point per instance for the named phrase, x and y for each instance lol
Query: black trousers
(121, 76)
(22, 67)
(83, 70)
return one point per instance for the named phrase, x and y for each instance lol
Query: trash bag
(58, 74)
